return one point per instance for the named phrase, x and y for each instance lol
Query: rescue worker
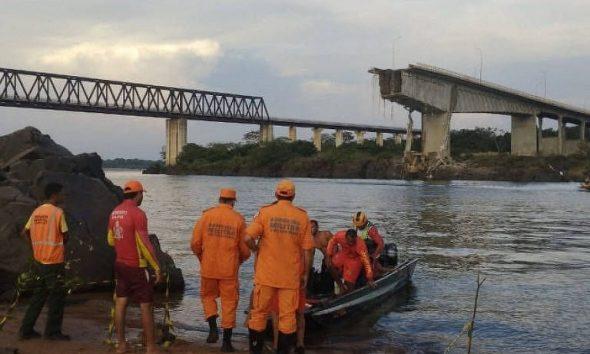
(368, 232)
(219, 243)
(347, 255)
(284, 248)
(320, 238)
(47, 232)
(128, 233)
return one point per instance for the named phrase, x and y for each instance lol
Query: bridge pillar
(317, 138)
(436, 134)
(560, 135)
(175, 139)
(524, 135)
(582, 130)
(266, 133)
(379, 139)
(293, 133)
(398, 138)
(339, 137)
(360, 136)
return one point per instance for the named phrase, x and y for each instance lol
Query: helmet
(359, 219)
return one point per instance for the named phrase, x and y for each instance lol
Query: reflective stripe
(47, 243)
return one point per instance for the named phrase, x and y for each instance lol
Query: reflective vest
(47, 225)
(364, 235)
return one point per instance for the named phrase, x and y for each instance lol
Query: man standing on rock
(282, 267)
(219, 243)
(47, 231)
(128, 233)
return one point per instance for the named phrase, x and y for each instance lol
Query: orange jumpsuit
(285, 233)
(349, 259)
(219, 243)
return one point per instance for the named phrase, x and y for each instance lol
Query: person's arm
(330, 251)
(254, 232)
(365, 260)
(376, 237)
(111, 233)
(63, 227)
(307, 254)
(144, 245)
(242, 246)
(197, 240)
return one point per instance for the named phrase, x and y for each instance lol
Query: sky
(308, 59)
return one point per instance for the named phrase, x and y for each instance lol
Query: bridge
(30, 89)
(438, 93)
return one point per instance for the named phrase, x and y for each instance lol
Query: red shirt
(358, 250)
(128, 233)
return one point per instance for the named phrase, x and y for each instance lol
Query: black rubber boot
(226, 346)
(256, 341)
(213, 332)
(286, 342)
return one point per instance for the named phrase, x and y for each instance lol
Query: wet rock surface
(28, 161)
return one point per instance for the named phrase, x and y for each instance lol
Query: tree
(252, 137)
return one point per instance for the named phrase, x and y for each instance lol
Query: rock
(30, 160)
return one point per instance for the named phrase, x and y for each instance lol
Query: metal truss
(28, 89)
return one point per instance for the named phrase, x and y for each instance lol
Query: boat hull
(363, 299)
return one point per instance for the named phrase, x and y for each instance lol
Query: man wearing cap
(128, 233)
(219, 243)
(284, 258)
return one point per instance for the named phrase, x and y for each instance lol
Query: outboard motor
(389, 255)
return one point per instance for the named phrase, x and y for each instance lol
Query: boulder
(28, 161)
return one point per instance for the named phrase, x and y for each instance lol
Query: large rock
(28, 161)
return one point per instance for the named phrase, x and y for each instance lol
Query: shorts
(302, 301)
(134, 283)
(350, 268)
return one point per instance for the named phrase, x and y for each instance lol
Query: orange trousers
(262, 301)
(228, 290)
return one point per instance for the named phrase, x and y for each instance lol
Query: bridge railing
(52, 91)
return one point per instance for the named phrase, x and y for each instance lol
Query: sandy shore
(86, 321)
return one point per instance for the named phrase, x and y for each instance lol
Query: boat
(585, 187)
(329, 310)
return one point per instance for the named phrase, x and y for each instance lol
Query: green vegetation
(135, 164)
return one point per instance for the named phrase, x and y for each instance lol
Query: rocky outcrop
(28, 161)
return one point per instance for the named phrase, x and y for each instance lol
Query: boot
(213, 333)
(256, 341)
(286, 342)
(226, 346)
(299, 350)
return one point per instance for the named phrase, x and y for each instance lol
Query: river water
(530, 241)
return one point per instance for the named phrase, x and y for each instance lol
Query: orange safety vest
(47, 226)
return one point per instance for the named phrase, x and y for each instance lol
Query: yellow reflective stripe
(47, 243)
(111, 238)
(144, 251)
(63, 226)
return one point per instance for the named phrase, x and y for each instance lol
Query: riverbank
(367, 161)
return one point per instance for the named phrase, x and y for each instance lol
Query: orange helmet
(359, 219)
(285, 188)
(133, 186)
(227, 193)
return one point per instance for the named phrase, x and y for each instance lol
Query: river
(530, 241)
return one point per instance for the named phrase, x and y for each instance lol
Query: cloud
(132, 52)
(325, 87)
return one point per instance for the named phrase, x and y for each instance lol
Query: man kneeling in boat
(347, 255)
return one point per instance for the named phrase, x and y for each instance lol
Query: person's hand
(158, 277)
(304, 279)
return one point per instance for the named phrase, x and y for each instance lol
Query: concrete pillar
(293, 133)
(339, 137)
(379, 139)
(175, 139)
(560, 135)
(266, 133)
(399, 138)
(524, 135)
(436, 134)
(539, 135)
(360, 136)
(317, 138)
(582, 130)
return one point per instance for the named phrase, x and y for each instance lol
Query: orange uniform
(285, 233)
(47, 226)
(219, 243)
(349, 259)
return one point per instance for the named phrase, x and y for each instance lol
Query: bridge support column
(436, 134)
(379, 139)
(175, 139)
(293, 133)
(398, 138)
(560, 135)
(317, 138)
(524, 135)
(582, 130)
(339, 137)
(266, 133)
(360, 136)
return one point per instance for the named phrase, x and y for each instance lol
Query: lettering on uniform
(118, 214)
(220, 230)
(285, 226)
(41, 219)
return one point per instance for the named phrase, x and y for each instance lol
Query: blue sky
(309, 59)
